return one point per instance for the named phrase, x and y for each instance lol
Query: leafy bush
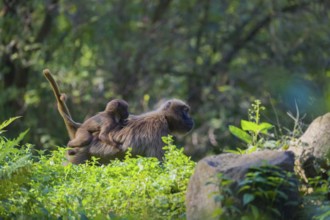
(266, 187)
(135, 188)
(226, 198)
(15, 165)
(264, 193)
(316, 199)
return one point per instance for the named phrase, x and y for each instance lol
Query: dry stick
(70, 125)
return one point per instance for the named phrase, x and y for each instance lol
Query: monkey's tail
(56, 91)
(70, 124)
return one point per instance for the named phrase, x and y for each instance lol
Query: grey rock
(200, 203)
(317, 136)
(312, 150)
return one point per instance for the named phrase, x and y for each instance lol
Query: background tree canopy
(217, 55)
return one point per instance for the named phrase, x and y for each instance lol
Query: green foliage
(225, 198)
(320, 186)
(135, 188)
(316, 198)
(12, 159)
(257, 195)
(266, 187)
(15, 165)
(253, 132)
(6, 123)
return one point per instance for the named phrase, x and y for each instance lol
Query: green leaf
(6, 123)
(264, 127)
(239, 133)
(21, 136)
(255, 211)
(244, 188)
(237, 151)
(247, 198)
(256, 128)
(251, 149)
(249, 126)
(217, 212)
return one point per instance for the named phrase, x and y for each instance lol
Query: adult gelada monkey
(143, 132)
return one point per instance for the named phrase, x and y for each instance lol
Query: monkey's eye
(185, 109)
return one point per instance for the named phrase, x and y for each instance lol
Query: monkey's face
(177, 116)
(123, 111)
(118, 107)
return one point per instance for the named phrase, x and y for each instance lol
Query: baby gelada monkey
(111, 119)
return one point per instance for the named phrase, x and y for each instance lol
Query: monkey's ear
(117, 104)
(167, 105)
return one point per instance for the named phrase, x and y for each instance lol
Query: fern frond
(6, 123)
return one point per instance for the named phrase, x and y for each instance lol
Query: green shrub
(316, 199)
(264, 194)
(15, 166)
(267, 193)
(135, 188)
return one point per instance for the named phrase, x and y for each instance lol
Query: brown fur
(106, 122)
(144, 132)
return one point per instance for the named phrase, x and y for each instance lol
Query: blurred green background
(218, 56)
